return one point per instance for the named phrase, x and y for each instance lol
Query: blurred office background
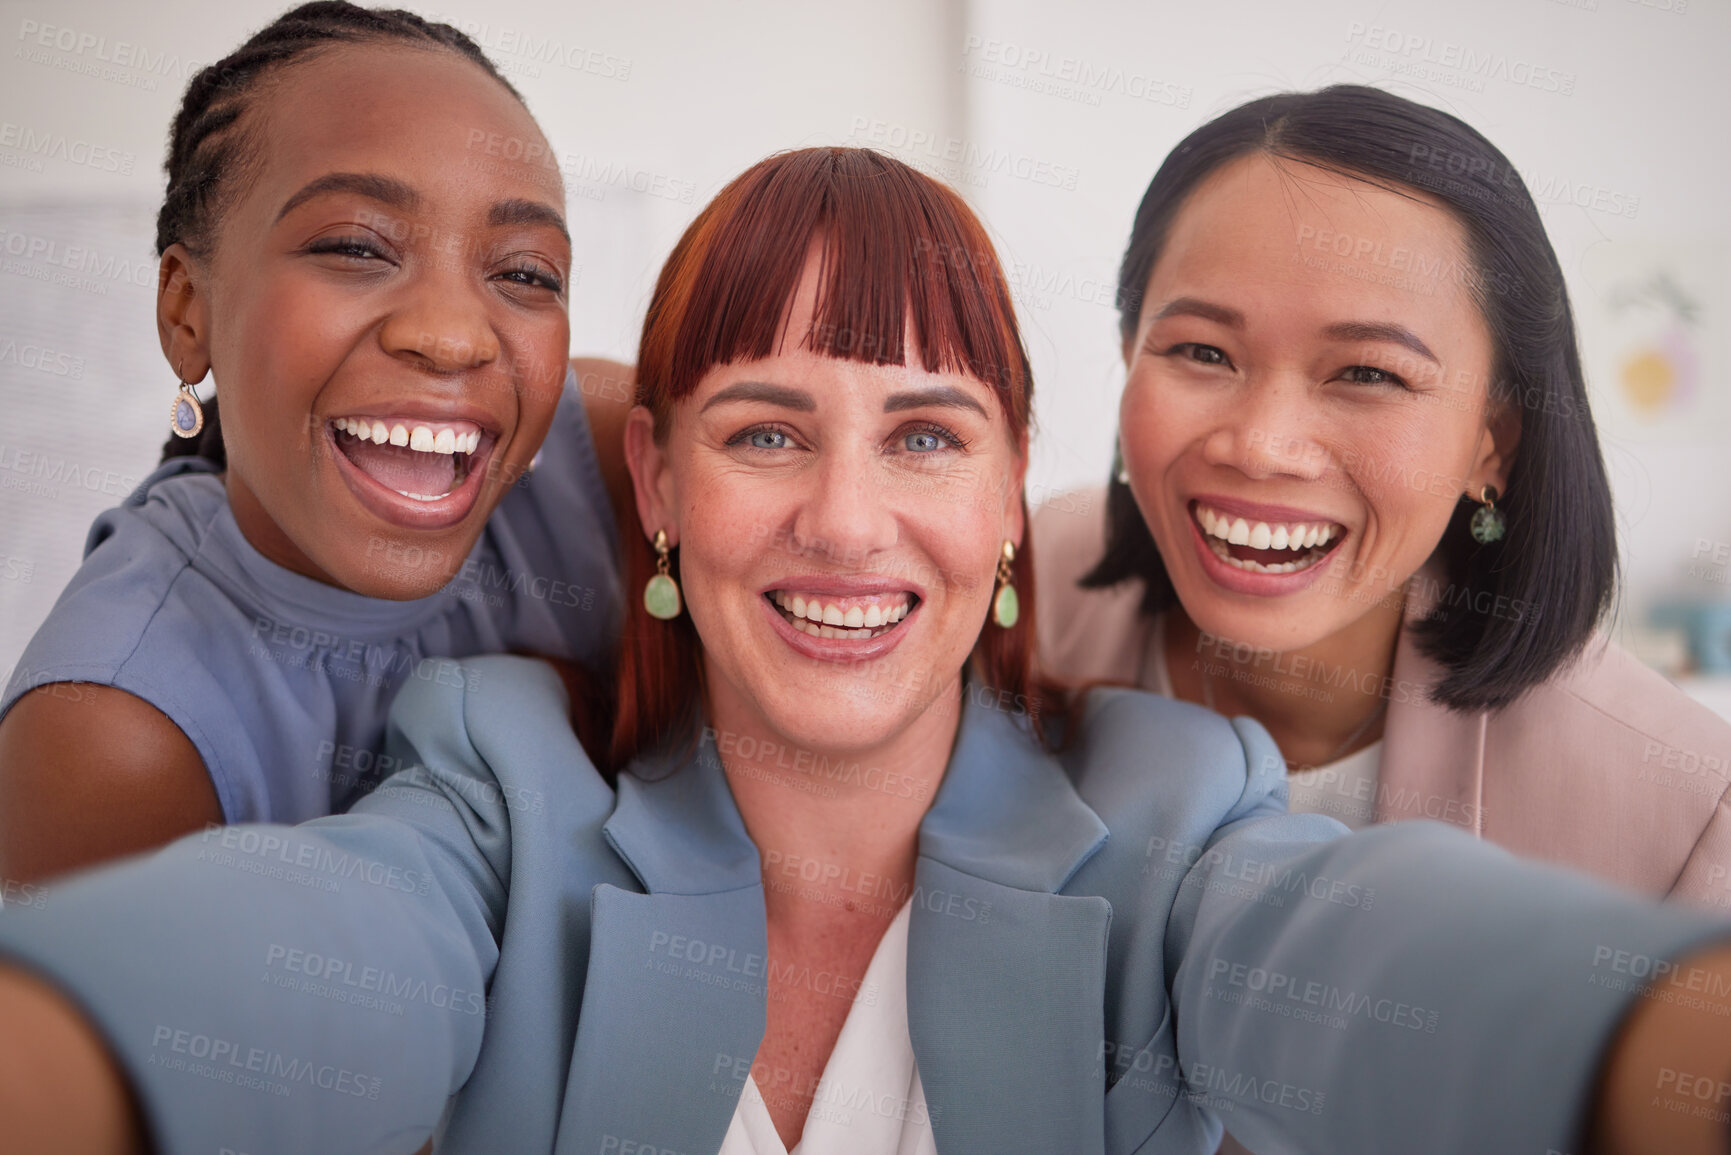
(1050, 118)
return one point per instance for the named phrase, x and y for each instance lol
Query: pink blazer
(1606, 768)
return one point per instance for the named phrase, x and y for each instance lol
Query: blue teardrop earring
(186, 415)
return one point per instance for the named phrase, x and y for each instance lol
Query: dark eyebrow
(781, 395)
(384, 189)
(942, 396)
(1381, 331)
(522, 212)
(1196, 307)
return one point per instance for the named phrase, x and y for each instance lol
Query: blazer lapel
(1432, 757)
(1006, 977)
(673, 1005)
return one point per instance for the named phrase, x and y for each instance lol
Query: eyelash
(1191, 347)
(955, 439)
(359, 248)
(354, 247)
(744, 436)
(542, 278)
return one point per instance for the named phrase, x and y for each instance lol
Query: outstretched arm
(1432, 993)
(259, 987)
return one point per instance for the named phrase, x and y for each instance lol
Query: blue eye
(768, 439)
(923, 442)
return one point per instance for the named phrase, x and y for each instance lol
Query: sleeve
(1706, 875)
(1405, 988)
(266, 987)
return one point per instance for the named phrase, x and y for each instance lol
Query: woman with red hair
(859, 885)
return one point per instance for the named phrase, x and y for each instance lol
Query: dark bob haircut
(1514, 612)
(897, 247)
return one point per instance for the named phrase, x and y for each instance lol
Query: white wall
(676, 97)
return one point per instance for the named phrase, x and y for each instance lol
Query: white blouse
(1345, 789)
(869, 1101)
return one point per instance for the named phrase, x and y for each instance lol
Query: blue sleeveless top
(283, 682)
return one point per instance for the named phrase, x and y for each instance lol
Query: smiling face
(839, 526)
(1307, 399)
(383, 312)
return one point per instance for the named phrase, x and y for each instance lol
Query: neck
(265, 535)
(837, 828)
(1319, 702)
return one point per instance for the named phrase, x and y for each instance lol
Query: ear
(1497, 445)
(651, 477)
(183, 314)
(1015, 521)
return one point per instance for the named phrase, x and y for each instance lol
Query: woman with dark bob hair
(861, 887)
(1360, 498)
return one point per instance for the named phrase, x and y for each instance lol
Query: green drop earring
(1487, 524)
(661, 595)
(1006, 606)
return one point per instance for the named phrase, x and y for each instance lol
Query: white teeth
(832, 621)
(422, 439)
(1262, 534)
(1220, 551)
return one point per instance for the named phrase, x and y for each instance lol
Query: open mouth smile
(419, 473)
(1277, 547)
(420, 460)
(846, 618)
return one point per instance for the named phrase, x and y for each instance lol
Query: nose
(1268, 431)
(847, 515)
(442, 323)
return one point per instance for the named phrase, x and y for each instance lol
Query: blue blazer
(1112, 949)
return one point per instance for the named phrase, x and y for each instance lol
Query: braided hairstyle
(209, 157)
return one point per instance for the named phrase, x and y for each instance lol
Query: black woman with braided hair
(363, 247)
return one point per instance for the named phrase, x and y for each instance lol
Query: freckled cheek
(1156, 426)
(1406, 515)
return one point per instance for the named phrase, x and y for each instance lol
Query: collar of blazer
(1006, 977)
(1432, 757)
